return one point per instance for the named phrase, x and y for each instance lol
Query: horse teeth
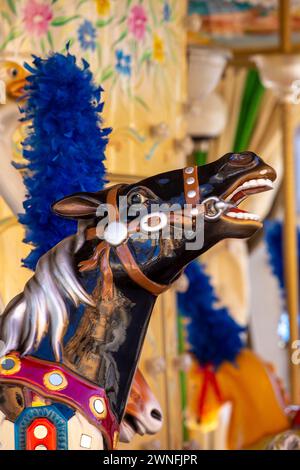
(269, 183)
(255, 183)
(242, 215)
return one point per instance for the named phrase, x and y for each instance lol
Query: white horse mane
(42, 307)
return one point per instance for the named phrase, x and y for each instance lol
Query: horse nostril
(241, 159)
(156, 414)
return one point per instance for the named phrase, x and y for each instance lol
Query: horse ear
(78, 206)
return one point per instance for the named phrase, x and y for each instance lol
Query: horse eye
(13, 72)
(136, 198)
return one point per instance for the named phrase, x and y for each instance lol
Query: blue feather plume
(213, 336)
(273, 239)
(273, 234)
(64, 147)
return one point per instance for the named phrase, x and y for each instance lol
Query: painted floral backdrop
(135, 48)
(145, 31)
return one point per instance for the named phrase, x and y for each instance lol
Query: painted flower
(123, 63)
(37, 17)
(158, 49)
(103, 7)
(167, 11)
(137, 22)
(87, 36)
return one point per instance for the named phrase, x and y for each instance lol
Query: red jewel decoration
(41, 435)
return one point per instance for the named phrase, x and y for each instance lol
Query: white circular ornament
(99, 407)
(115, 233)
(163, 221)
(40, 431)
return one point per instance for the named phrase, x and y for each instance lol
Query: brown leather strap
(135, 273)
(192, 196)
(107, 292)
(111, 200)
(128, 261)
(191, 185)
(93, 262)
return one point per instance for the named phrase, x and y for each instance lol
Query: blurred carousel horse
(143, 413)
(245, 402)
(12, 189)
(71, 340)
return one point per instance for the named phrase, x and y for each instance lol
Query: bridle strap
(191, 185)
(192, 197)
(128, 262)
(111, 200)
(134, 272)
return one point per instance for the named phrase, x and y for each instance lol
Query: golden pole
(290, 224)
(285, 26)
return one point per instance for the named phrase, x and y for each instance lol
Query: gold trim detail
(14, 369)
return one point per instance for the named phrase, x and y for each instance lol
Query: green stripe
(182, 377)
(200, 157)
(250, 107)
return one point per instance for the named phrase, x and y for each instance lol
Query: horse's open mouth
(134, 424)
(252, 184)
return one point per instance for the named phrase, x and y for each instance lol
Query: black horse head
(231, 178)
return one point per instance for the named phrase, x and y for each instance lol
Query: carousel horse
(11, 185)
(257, 399)
(72, 339)
(145, 414)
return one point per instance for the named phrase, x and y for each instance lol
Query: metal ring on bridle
(163, 221)
(218, 205)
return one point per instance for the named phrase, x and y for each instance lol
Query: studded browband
(192, 197)
(191, 185)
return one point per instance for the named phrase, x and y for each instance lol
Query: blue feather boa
(213, 336)
(273, 239)
(64, 147)
(273, 234)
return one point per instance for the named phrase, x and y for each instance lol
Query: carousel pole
(290, 224)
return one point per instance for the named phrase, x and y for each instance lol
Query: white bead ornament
(190, 180)
(191, 194)
(115, 233)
